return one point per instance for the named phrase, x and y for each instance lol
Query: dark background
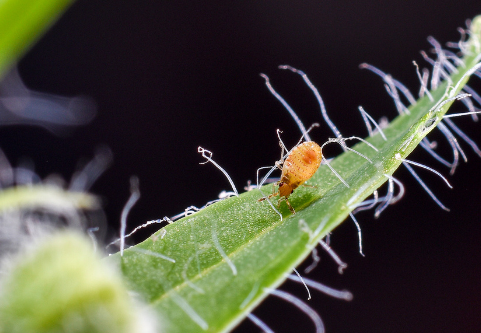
(169, 76)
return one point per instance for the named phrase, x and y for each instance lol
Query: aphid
(301, 164)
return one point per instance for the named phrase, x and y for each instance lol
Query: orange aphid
(299, 166)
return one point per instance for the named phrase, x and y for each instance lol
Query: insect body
(301, 164)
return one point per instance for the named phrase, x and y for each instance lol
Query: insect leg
(290, 207)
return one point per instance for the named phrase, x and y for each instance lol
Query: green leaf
(228, 255)
(22, 22)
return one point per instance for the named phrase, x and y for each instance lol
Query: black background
(169, 76)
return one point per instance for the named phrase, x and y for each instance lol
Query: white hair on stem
(366, 117)
(476, 97)
(340, 294)
(339, 140)
(182, 303)
(208, 156)
(331, 125)
(460, 114)
(424, 186)
(186, 278)
(401, 189)
(392, 92)
(300, 305)
(221, 250)
(367, 204)
(25, 175)
(134, 196)
(83, 180)
(146, 224)
(454, 145)
(90, 232)
(438, 106)
(259, 323)
(358, 233)
(441, 55)
(326, 162)
(461, 44)
(304, 283)
(470, 106)
(188, 211)
(473, 93)
(426, 145)
(463, 136)
(398, 157)
(6, 172)
(370, 203)
(423, 80)
(390, 193)
(341, 265)
(393, 85)
(151, 253)
(438, 72)
(315, 261)
(468, 73)
(456, 60)
(251, 295)
(287, 107)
